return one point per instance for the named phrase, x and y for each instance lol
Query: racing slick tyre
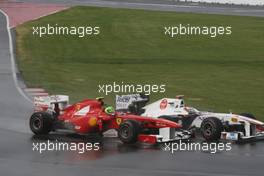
(249, 115)
(211, 128)
(41, 123)
(128, 131)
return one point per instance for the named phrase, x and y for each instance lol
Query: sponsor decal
(123, 99)
(163, 104)
(55, 98)
(232, 136)
(92, 121)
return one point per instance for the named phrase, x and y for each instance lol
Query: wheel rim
(125, 132)
(36, 123)
(208, 129)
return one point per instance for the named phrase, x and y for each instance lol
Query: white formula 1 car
(213, 126)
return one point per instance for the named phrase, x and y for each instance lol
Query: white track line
(34, 90)
(13, 67)
(39, 94)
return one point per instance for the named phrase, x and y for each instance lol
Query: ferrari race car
(53, 113)
(213, 126)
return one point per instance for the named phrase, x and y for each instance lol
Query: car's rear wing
(48, 103)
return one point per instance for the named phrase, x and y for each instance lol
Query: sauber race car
(53, 113)
(213, 126)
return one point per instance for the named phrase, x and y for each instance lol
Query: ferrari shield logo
(118, 121)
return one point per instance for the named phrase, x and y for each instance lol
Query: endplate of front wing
(165, 135)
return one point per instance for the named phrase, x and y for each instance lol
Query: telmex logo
(124, 99)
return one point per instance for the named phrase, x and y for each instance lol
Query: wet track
(114, 158)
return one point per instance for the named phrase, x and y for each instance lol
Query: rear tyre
(249, 115)
(211, 128)
(41, 123)
(128, 131)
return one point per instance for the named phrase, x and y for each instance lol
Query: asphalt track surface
(114, 158)
(165, 5)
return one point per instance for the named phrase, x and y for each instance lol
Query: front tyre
(41, 123)
(128, 131)
(211, 128)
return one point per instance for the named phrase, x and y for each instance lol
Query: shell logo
(92, 121)
(163, 104)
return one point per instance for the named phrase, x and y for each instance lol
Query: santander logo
(163, 104)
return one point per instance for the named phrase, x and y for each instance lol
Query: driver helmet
(109, 110)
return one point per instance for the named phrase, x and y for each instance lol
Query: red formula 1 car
(53, 113)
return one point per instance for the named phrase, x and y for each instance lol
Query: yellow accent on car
(78, 107)
(92, 121)
(99, 98)
(118, 121)
(234, 119)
